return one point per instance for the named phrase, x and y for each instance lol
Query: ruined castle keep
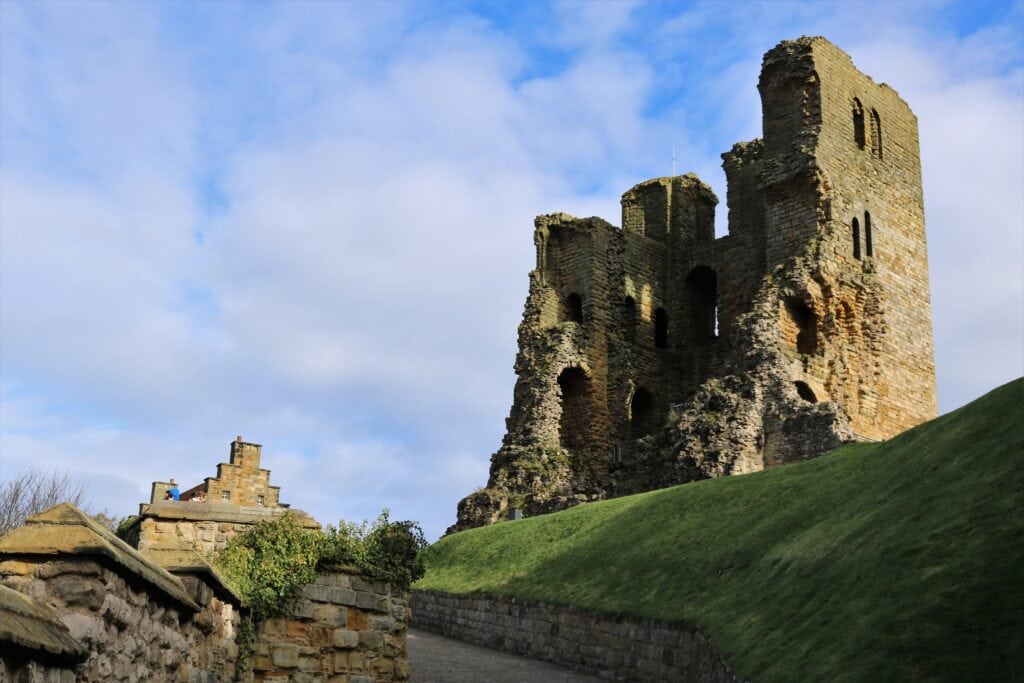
(655, 354)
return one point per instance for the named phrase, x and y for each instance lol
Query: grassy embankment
(895, 560)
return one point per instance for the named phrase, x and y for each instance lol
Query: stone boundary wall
(614, 648)
(78, 604)
(344, 629)
(127, 630)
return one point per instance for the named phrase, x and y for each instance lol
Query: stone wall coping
(188, 561)
(66, 530)
(221, 512)
(29, 624)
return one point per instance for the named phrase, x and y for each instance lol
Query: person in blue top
(173, 493)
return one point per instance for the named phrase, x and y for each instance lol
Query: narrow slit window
(702, 303)
(629, 317)
(856, 239)
(858, 124)
(868, 247)
(641, 413)
(661, 329)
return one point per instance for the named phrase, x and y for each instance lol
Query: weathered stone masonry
(345, 629)
(213, 512)
(79, 604)
(656, 354)
(614, 648)
(128, 618)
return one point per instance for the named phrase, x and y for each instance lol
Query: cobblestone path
(436, 659)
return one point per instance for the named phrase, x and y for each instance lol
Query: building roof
(66, 530)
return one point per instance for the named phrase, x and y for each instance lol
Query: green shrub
(269, 563)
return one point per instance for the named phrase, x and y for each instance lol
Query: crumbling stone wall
(656, 354)
(344, 628)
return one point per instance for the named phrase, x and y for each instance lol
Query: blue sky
(310, 224)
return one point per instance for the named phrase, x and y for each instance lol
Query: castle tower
(656, 354)
(842, 192)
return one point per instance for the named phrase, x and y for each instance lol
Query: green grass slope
(889, 561)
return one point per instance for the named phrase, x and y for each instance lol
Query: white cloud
(353, 300)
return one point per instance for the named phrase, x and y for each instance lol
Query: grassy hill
(888, 561)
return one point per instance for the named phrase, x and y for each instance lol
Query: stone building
(212, 512)
(655, 354)
(240, 481)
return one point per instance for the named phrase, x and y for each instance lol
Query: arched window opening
(702, 291)
(876, 134)
(574, 424)
(805, 392)
(641, 413)
(572, 309)
(867, 234)
(661, 329)
(856, 239)
(629, 318)
(858, 124)
(802, 330)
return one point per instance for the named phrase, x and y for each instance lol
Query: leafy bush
(392, 551)
(124, 526)
(269, 563)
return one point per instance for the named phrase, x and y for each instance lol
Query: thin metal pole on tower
(673, 161)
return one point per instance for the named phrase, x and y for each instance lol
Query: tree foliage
(35, 490)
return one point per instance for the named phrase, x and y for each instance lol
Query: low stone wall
(79, 604)
(128, 630)
(345, 628)
(615, 648)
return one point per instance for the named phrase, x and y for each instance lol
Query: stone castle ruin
(655, 354)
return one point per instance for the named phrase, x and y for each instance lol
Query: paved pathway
(436, 659)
